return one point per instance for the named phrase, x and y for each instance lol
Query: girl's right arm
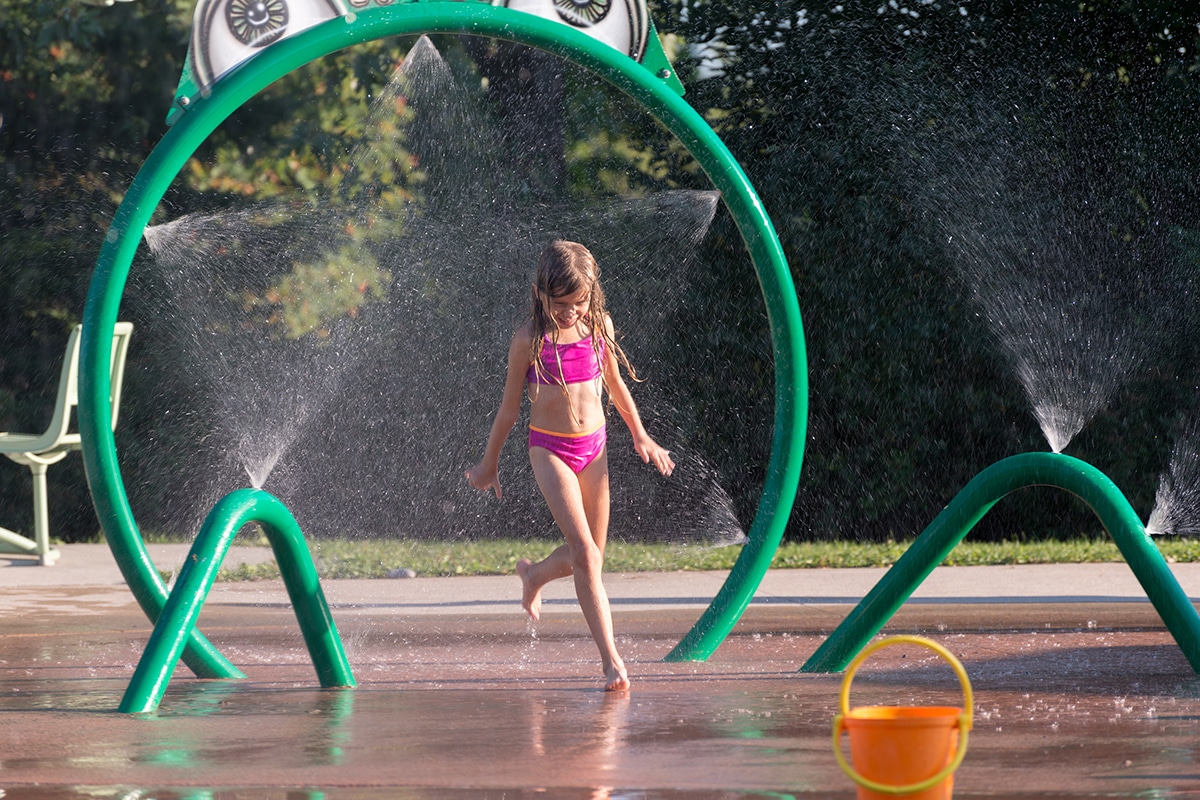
(486, 474)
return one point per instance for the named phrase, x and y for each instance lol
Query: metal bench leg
(41, 515)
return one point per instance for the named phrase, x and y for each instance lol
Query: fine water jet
(1072, 308)
(1076, 311)
(347, 403)
(1177, 501)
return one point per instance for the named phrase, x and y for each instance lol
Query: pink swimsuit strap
(579, 362)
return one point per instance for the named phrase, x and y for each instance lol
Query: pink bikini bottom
(576, 450)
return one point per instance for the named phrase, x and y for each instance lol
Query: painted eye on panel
(257, 23)
(227, 32)
(622, 24)
(582, 13)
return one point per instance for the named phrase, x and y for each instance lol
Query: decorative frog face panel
(622, 24)
(227, 32)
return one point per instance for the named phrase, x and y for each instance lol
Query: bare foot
(618, 679)
(531, 596)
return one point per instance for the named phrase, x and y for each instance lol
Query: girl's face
(568, 309)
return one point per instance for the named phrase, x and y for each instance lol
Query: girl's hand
(483, 478)
(652, 453)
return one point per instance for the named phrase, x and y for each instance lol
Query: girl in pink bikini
(567, 356)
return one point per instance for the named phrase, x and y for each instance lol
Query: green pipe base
(958, 518)
(208, 552)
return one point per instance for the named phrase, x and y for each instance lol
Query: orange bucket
(909, 751)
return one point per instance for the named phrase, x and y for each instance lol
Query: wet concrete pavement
(1079, 689)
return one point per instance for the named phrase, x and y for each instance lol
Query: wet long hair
(566, 268)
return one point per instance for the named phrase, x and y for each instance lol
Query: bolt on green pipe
(1079, 478)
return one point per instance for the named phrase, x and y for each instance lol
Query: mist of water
(1066, 347)
(1074, 305)
(1177, 501)
(365, 425)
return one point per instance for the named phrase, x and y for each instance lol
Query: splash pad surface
(1080, 689)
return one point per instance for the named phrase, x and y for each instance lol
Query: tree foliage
(866, 127)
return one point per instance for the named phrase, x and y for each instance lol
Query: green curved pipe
(182, 609)
(652, 92)
(1079, 478)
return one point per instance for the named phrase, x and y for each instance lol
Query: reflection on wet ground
(1080, 700)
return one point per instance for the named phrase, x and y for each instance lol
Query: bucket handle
(964, 719)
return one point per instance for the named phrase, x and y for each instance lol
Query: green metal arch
(651, 91)
(182, 609)
(969, 506)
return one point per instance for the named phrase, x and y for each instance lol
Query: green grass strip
(337, 559)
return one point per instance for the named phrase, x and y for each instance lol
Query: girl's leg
(576, 501)
(593, 483)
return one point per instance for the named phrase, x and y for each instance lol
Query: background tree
(852, 119)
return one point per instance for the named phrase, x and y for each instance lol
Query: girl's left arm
(650, 451)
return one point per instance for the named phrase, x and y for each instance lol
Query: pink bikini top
(578, 359)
